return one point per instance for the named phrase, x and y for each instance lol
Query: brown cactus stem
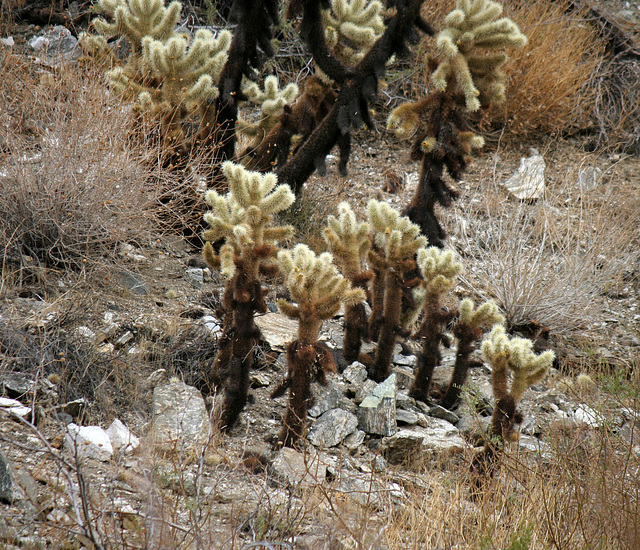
(390, 328)
(356, 325)
(429, 358)
(505, 416)
(235, 358)
(466, 337)
(377, 303)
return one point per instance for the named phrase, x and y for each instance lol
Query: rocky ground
(138, 334)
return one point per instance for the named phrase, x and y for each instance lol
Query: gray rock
(404, 360)
(586, 415)
(589, 177)
(355, 373)
(277, 330)
(57, 45)
(14, 407)
(331, 428)
(444, 414)
(377, 412)
(364, 390)
(298, 469)
(6, 481)
(179, 416)
(211, 324)
(326, 398)
(121, 438)
(134, 283)
(124, 339)
(415, 444)
(404, 376)
(195, 277)
(354, 440)
(259, 379)
(406, 417)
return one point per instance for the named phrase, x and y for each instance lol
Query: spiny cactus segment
(468, 47)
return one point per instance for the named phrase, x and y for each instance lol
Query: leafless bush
(72, 189)
(547, 261)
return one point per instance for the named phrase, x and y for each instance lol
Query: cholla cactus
(468, 329)
(470, 30)
(467, 76)
(272, 101)
(169, 74)
(516, 355)
(352, 27)
(396, 241)
(349, 241)
(439, 271)
(242, 218)
(318, 291)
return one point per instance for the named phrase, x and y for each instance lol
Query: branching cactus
(349, 241)
(243, 219)
(272, 101)
(468, 78)
(439, 271)
(506, 354)
(318, 291)
(397, 241)
(469, 328)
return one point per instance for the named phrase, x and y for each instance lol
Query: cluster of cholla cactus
(318, 291)
(506, 355)
(243, 219)
(170, 74)
(467, 76)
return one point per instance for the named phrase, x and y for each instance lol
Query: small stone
(134, 283)
(589, 177)
(124, 339)
(259, 379)
(404, 376)
(404, 360)
(528, 182)
(354, 440)
(211, 324)
(355, 373)
(89, 442)
(121, 438)
(364, 390)
(412, 445)
(179, 416)
(6, 481)
(331, 428)
(195, 277)
(277, 330)
(298, 469)
(445, 414)
(588, 416)
(14, 407)
(406, 417)
(86, 333)
(377, 412)
(326, 398)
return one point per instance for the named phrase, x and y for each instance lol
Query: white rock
(528, 182)
(121, 438)
(14, 407)
(588, 416)
(89, 442)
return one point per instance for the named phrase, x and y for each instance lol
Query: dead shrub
(549, 80)
(72, 188)
(549, 261)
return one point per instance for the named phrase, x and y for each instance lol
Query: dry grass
(549, 80)
(548, 261)
(72, 189)
(549, 84)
